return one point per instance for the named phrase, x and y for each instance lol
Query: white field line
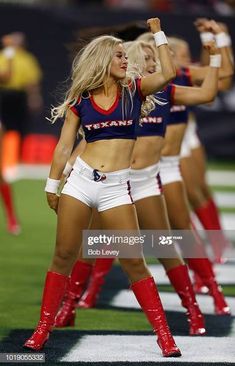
(171, 302)
(225, 199)
(139, 348)
(221, 178)
(225, 274)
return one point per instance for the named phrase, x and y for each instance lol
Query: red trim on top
(178, 72)
(172, 96)
(189, 76)
(73, 109)
(104, 111)
(138, 84)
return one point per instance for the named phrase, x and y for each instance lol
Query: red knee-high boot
(99, 271)
(54, 290)
(214, 213)
(147, 296)
(12, 224)
(217, 222)
(180, 280)
(79, 278)
(198, 286)
(203, 267)
(206, 215)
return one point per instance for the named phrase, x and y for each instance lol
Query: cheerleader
(107, 104)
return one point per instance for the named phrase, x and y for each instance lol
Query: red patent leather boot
(147, 296)
(180, 280)
(54, 290)
(198, 286)
(209, 218)
(79, 278)
(203, 267)
(99, 271)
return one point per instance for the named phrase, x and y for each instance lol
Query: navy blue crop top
(100, 124)
(179, 113)
(155, 123)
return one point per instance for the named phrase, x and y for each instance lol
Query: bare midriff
(109, 155)
(147, 151)
(173, 139)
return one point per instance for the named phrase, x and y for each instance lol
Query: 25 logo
(165, 240)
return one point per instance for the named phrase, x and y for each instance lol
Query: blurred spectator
(21, 93)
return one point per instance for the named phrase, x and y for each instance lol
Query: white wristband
(160, 38)
(67, 169)
(206, 37)
(52, 185)
(215, 60)
(223, 40)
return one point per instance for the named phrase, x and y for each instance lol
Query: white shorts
(145, 182)
(96, 189)
(191, 140)
(170, 169)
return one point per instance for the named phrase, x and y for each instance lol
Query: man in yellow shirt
(21, 93)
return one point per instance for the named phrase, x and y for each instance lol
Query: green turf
(227, 189)
(105, 319)
(221, 165)
(227, 209)
(25, 258)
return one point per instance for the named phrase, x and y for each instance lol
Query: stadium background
(51, 31)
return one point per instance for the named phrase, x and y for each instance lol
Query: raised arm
(208, 90)
(210, 29)
(158, 80)
(61, 155)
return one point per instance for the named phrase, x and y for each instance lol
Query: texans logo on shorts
(98, 177)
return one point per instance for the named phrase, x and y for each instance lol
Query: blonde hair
(175, 42)
(90, 69)
(146, 37)
(136, 58)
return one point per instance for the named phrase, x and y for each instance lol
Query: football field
(116, 332)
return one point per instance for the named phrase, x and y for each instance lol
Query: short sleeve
(75, 107)
(188, 76)
(171, 93)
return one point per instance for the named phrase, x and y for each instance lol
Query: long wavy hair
(137, 62)
(90, 70)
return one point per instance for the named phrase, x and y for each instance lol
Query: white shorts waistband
(169, 161)
(119, 176)
(145, 173)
